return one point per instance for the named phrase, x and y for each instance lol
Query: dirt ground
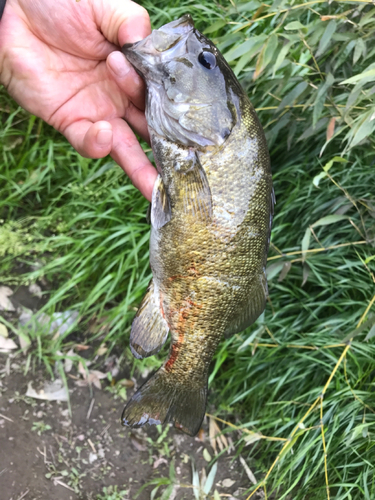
(46, 453)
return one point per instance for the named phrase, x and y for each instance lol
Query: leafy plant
(79, 226)
(112, 493)
(203, 486)
(40, 427)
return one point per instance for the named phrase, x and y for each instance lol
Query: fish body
(211, 216)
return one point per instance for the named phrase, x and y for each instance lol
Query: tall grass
(309, 69)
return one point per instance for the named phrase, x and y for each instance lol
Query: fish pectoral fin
(160, 205)
(149, 329)
(196, 192)
(148, 214)
(251, 310)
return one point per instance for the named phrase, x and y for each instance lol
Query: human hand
(59, 61)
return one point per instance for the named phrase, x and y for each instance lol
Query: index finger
(128, 153)
(122, 21)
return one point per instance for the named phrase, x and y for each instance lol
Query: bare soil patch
(46, 453)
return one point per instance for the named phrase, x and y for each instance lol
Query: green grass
(82, 226)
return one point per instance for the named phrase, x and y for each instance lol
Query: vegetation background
(304, 373)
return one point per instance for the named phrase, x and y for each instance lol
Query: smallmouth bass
(211, 216)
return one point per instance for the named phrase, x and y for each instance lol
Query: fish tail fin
(161, 400)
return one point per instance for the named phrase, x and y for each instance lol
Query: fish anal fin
(250, 310)
(149, 329)
(160, 205)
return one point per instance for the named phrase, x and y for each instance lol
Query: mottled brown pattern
(208, 261)
(207, 271)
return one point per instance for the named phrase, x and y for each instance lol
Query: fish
(211, 215)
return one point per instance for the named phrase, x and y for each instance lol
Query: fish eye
(207, 59)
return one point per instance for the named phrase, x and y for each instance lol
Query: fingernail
(118, 64)
(104, 137)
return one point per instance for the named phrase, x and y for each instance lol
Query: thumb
(121, 21)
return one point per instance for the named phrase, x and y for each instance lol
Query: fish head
(191, 90)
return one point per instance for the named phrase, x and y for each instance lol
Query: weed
(79, 226)
(40, 427)
(112, 493)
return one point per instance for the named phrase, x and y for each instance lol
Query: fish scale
(211, 217)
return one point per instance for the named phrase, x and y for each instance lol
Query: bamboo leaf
(312, 131)
(326, 38)
(215, 26)
(326, 168)
(195, 481)
(371, 333)
(281, 57)
(244, 48)
(370, 322)
(265, 55)
(246, 7)
(364, 130)
(321, 97)
(318, 178)
(293, 95)
(246, 58)
(329, 219)
(343, 56)
(285, 270)
(305, 243)
(269, 51)
(305, 273)
(210, 479)
(360, 49)
(250, 338)
(274, 269)
(295, 25)
(367, 76)
(252, 438)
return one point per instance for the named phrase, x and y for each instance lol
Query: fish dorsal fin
(149, 329)
(251, 308)
(195, 191)
(160, 205)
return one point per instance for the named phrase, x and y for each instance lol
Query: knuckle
(140, 11)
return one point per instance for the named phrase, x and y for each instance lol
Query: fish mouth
(156, 48)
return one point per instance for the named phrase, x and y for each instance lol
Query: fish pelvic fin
(149, 329)
(162, 399)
